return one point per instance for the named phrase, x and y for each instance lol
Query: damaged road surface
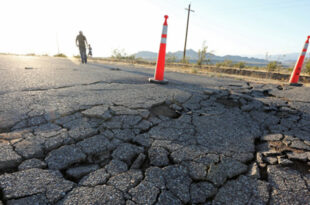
(90, 134)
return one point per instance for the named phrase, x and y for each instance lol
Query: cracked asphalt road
(101, 134)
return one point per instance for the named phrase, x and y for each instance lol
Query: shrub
(202, 54)
(272, 66)
(131, 57)
(61, 55)
(240, 65)
(228, 63)
(122, 55)
(218, 65)
(118, 54)
(307, 67)
(185, 61)
(194, 70)
(171, 58)
(30, 54)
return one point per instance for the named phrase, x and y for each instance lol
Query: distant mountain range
(193, 56)
(286, 59)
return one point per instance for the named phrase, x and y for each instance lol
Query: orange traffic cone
(296, 72)
(160, 67)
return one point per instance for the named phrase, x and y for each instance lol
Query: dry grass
(196, 71)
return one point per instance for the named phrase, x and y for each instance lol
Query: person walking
(81, 42)
(90, 51)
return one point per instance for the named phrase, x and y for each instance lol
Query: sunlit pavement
(102, 134)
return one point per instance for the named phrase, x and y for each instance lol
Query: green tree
(118, 54)
(131, 57)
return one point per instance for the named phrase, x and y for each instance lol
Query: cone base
(296, 84)
(152, 80)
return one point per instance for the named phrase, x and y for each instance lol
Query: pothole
(279, 87)
(267, 94)
(300, 166)
(228, 102)
(146, 163)
(264, 173)
(262, 166)
(164, 110)
(1, 196)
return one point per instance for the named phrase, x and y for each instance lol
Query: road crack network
(225, 144)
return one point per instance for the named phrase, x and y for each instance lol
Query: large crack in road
(163, 113)
(229, 144)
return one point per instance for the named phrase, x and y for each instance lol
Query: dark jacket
(81, 39)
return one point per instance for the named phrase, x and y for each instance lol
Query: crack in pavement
(68, 86)
(127, 142)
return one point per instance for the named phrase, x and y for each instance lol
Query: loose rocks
(227, 168)
(144, 193)
(116, 166)
(178, 181)
(158, 156)
(78, 172)
(32, 163)
(100, 194)
(167, 198)
(202, 191)
(97, 177)
(34, 181)
(8, 157)
(126, 180)
(127, 152)
(64, 157)
(243, 190)
(288, 187)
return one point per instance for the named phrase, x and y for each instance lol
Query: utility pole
(189, 10)
(57, 42)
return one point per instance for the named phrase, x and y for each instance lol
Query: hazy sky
(239, 27)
